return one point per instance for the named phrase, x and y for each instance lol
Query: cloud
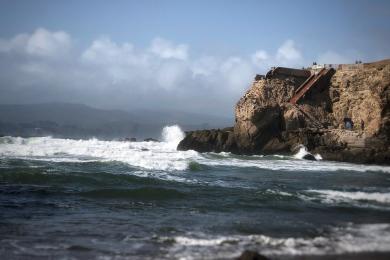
(237, 73)
(17, 43)
(169, 75)
(259, 57)
(161, 66)
(288, 52)
(204, 66)
(287, 55)
(46, 43)
(41, 43)
(105, 51)
(167, 50)
(107, 73)
(119, 62)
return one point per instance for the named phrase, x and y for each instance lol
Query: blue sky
(86, 51)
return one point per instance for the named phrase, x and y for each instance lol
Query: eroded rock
(214, 140)
(267, 123)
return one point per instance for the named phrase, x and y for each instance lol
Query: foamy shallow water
(83, 199)
(159, 155)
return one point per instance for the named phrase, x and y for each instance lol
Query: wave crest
(348, 196)
(339, 240)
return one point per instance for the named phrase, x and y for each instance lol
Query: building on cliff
(288, 107)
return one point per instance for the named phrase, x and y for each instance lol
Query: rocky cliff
(267, 121)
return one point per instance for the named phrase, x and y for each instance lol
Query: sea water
(93, 199)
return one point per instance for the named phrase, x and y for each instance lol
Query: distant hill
(61, 113)
(81, 121)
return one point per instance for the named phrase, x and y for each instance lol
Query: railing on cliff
(312, 81)
(315, 79)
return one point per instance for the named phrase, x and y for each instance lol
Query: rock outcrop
(214, 140)
(267, 122)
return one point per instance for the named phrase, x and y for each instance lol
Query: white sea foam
(303, 151)
(347, 239)
(332, 196)
(279, 192)
(146, 155)
(291, 164)
(166, 176)
(159, 155)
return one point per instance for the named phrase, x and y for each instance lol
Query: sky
(193, 56)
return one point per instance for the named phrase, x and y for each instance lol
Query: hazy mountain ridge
(82, 121)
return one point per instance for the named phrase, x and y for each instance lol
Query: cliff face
(364, 96)
(266, 122)
(259, 113)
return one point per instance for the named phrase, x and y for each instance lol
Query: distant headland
(341, 111)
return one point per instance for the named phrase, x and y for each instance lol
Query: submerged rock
(267, 123)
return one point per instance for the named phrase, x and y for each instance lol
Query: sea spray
(303, 151)
(172, 135)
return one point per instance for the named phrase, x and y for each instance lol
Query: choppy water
(91, 199)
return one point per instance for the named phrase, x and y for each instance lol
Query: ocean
(93, 199)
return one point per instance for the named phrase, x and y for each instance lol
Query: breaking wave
(332, 196)
(339, 240)
(172, 135)
(161, 156)
(303, 151)
(145, 155)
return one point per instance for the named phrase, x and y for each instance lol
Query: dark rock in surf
(251, 255)
(214, 140)
(309, 157)
(151, 140)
